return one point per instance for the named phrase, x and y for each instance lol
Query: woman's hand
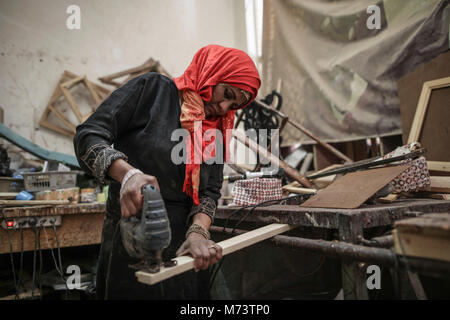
(205, 252)
(130, 195)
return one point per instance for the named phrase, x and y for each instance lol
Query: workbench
(350, 225)
(81, 225)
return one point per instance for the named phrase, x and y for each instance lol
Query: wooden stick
(389, 198)
(148, 64)
(8, 195)
(71, 102)
(51, 126)
(438, 166)
(61, 117)
(290, 172)
(32, 202)
(185, 263)
(69, 84)
(93, 93)
(298, 190)
(440, 184)
(325, 145)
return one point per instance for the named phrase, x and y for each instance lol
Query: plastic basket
(49, 180)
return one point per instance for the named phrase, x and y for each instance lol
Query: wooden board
(75, 230)
(440, 184)
(353, 189)
(435, 132)
(298, 190)
(31, 202)
(185, 263)
(8, 195)
(427, 236)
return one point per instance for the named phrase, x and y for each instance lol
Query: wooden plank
(8, 195)
(51, 126)
(422, 246)
(61, 117)
(31, 202)
(70, 83)
(389, 198)
(438, 166)
(353, 189)
(146, 65)
(426, 236)
(298, 190)
(185, 263)
(93, 93)
(72, 103)
(440, 184)
(52, 210)
(324, 181)
(439, 196)
(435, 224)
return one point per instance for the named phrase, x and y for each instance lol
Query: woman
(138, 119)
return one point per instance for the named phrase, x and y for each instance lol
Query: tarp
(339, 78)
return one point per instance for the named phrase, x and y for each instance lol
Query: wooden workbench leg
(353, 276)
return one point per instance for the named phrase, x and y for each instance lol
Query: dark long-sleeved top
(136, 123)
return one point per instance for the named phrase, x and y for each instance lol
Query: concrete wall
(36, 47)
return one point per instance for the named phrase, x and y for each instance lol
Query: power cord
(21, 280)
(40, 261)
(32, 223)
(108, 271)
(53, 221)
(253, 207)
(12, 258)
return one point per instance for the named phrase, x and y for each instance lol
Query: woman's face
(224, 98)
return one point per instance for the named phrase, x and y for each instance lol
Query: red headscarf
(211, 65)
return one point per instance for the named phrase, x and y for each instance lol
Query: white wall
(36, 47)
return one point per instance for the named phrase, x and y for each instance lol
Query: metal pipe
(379, 242)
(343, 250)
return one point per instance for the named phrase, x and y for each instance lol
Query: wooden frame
(67, 81)
(147, 66)
(419, 117)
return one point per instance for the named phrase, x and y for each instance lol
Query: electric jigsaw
(145, 236)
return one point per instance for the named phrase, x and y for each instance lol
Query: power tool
(147, 234)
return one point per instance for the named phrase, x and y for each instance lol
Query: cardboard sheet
(353, 189)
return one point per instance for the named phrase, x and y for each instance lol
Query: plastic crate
(49, 180)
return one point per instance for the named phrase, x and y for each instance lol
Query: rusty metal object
(348, 251)
(340, 250)
(379, 242)
(263, 153)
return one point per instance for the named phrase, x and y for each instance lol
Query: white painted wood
(185, 263)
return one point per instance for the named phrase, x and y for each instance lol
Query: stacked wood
(62, 91)
(150, 65)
